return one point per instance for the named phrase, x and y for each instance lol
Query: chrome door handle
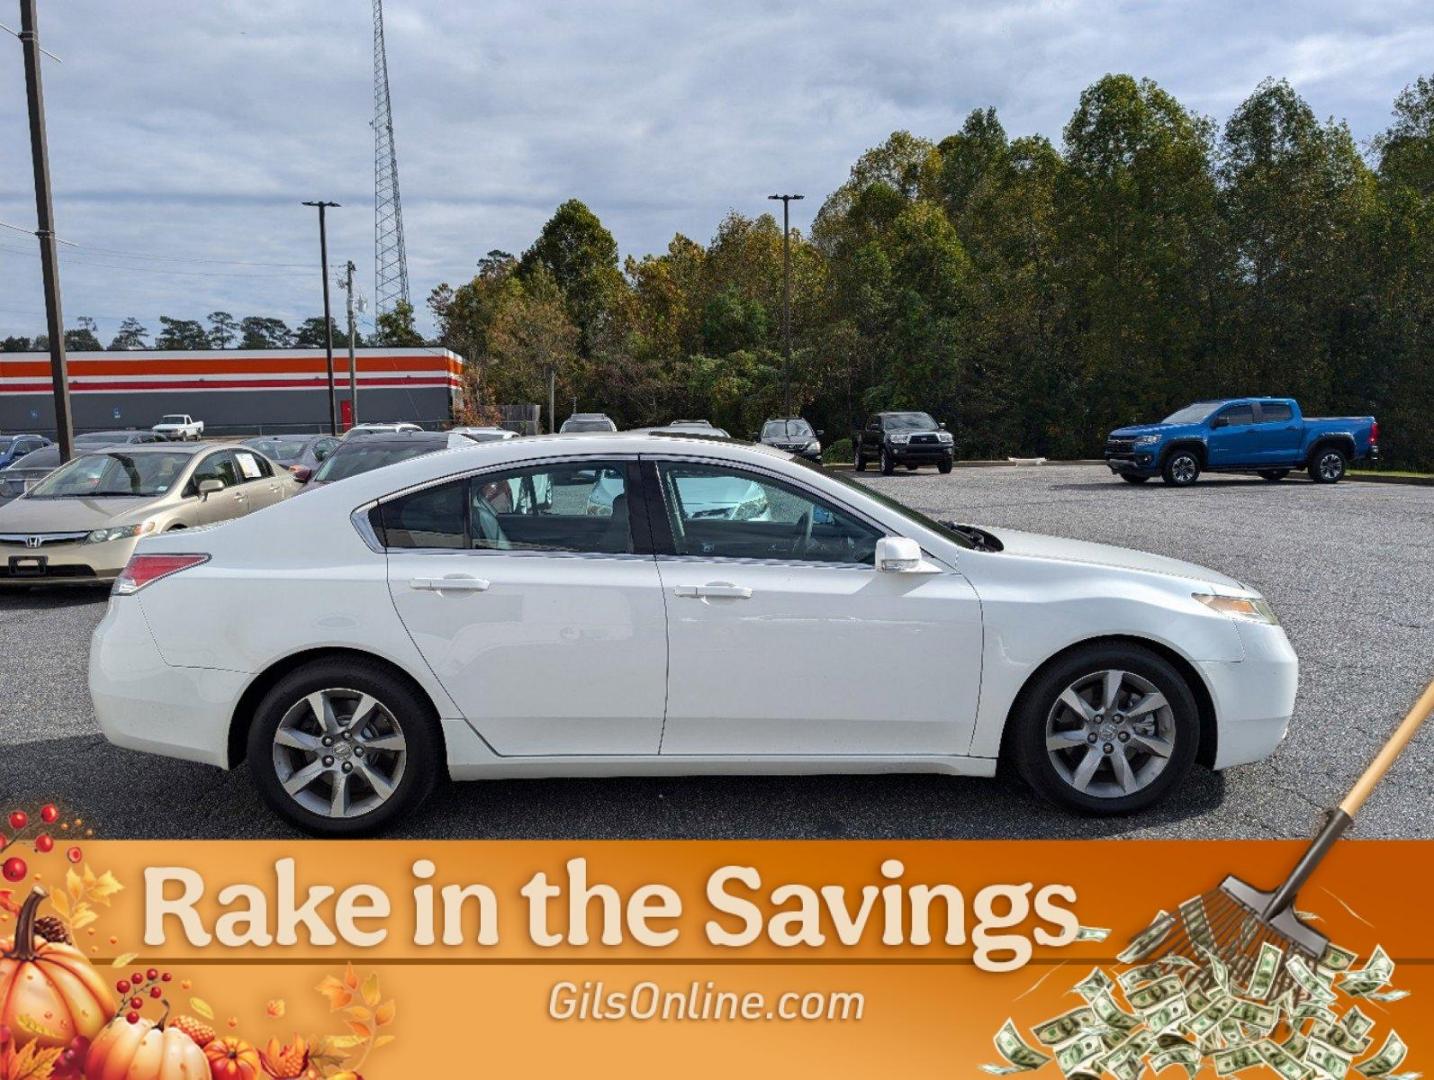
(730, 592)
(460, 583)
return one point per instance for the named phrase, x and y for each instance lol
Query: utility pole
(45, 217)
(328, 319)
(786, 201)
(353, 369)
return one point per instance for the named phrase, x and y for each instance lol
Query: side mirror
(209, 487)
(821, 434)
(941, 424)
(301, 473)
(900, 555)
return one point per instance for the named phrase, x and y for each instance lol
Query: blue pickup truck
(1267, 436)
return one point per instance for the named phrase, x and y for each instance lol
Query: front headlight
(120, 532)
(813, 447)
(1146, 440)
(1249, 608)
(943, 437)
(902, 437)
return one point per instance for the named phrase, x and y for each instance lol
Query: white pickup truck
(179, 427)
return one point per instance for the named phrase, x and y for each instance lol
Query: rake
(1234, 921)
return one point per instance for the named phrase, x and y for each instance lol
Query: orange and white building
(234, 391)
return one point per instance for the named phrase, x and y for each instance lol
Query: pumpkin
(232, 1059)
(49, 993)
(144, 1050)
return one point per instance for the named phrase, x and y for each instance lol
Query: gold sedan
(80, 524)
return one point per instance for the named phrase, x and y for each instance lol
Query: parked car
(80, 524)
(487, 635)
(374, 451)
(35, 466)
(686, 427)
(359, 431)
(483, 434)
(588, 421)
(1267, 436)
(912, 439)
(794, 435)
(14, 447)
(179, 427)
(300, 454)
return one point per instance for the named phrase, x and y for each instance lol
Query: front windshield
(174, 418)
(115, 474)
(909, 421)
(588, 425)
(100, 438)
(891, 504)
(47, 458)
(1192, 414)
(6, 442)
(783, 429)
(279, 449)
(355, 459)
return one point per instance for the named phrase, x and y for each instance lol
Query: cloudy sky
(184, 134)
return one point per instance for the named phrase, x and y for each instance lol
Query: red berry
(137, 978)
(122, 986)
(74, 854)
(132, 1017)
(44, 843)
(4, 840)
(155, 992)
(152, 974)
(14, 869)
(49, 814)
(136, 1003)
(165, 977)
(19, 819)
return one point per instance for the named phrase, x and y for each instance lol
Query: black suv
(793, 434)
(912, 439)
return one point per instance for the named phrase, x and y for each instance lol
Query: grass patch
(1392, 472)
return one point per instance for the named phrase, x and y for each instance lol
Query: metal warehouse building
(234, 391)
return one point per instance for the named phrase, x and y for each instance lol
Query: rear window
(1274, 413)
(354, 459)
(279, 449)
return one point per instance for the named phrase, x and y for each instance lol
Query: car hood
(31, 515)
(1091, 554)
(1152, 429)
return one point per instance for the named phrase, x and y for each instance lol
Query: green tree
(533, 343)
(581, 256)
(263, 332)
(395, 327)
(131, 335)
(223, 329)
(311, 333)
(83, 338)
(187, 334)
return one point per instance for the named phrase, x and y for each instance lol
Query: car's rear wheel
(1181, 469)
(1328, 465)
(911, 466)
(1274, 476)
(1132, 478)
(888, 463)
(343, 748)
(1108, 729)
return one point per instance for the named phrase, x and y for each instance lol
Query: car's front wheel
(1108, 729)
(860, 460)
(343, 748)
(888, 463)
(943, 466)
(1181, 469)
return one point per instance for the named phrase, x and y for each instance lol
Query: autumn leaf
(202, 1007)
(123, 960)
(7, 902)
(371, 994)
(384, 1014)
(74, 885)
(338, 994)
(363, 1031)
(351, 979)
(276, 1008)
(32, 1062)
(359, 1013)
(383, 1040)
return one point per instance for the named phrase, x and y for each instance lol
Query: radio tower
(390, 259)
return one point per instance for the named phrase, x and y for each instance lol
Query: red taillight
(1374, 433)
(301, 473)
(142, 570)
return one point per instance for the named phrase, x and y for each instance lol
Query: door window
(727, 513)
(219, 467)
(251, 466)
(576, 507)
(1238, 415)
(1274, 413)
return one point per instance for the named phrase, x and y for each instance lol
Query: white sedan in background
(466, 612)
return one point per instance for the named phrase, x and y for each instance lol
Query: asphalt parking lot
(1349, 568)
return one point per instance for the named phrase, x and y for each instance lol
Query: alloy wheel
(1110, 733)
(340, 753)
(1183, 468)
(1331, 466)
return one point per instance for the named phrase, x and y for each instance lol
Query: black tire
(860, 460)
(1026, 745)
(911, 467)
(1132, 478)
(888, 463)
(1181, 468)
(1328, 465)
(943, 467)
(411, 712)
(1274, 476)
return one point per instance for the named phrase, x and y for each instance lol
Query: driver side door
(782, 637)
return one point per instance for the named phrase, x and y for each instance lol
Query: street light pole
(353, 369)
(328, 319)
(45, 217)
(786, 201)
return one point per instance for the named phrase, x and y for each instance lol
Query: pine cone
(52, 929)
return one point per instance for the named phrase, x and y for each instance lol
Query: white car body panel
(557, 669)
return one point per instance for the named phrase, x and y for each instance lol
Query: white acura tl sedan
(595, 605)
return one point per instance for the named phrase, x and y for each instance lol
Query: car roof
(288, 436)
(190, 448)
(400, 438)
(587, 416)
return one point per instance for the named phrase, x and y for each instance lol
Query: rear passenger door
(257, 481)
(1280, 435)
(533, 595)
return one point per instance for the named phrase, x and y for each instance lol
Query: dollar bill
(1340, 1038)
(1391, 1055)
(1236, 1059)
(1355, 1022)
(1313, 1010)
(1219, 973)
(1197, 998)
(1329, 1060)
(1208, 1019)
(1020, 1056)
(1375, 974)
(1387, 995)
(1094, 984)
(1281, 1060)
(1186, 1056)
(1336, 959)
(1197, 923)
(1092, 933)
(1267, 966)
(1149, 939)
(1257, 1015)
(1296, 1044)
(1071, 1057)
(1151, 996)
(1112, 1015)
(1065, 1027)
(1168, 1015)
(1308, 981)
(1144, 973)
